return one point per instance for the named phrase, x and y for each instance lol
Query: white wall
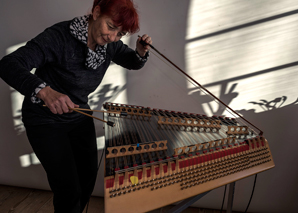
(251, 67)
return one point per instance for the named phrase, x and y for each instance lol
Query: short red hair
(122, 12)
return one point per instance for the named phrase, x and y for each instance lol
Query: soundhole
(186, 150)
(123, 109)
(131, 149)
(122, 150)
(161, 145)
(114, 151)
(146, 147)
(139, 148)
(118, 109)
(141, 111)
(129, 110)
(135, 111)
(180, 151)
(153, 146)
(193, 148)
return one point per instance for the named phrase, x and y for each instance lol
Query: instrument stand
(231, 197)
(186, 203)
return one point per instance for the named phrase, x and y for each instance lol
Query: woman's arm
(132, 59)
(15, 68)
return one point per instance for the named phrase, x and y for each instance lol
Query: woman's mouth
(104, 40)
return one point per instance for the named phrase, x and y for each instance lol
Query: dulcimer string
(202, 88)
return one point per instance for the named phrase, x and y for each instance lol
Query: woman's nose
(112, 36)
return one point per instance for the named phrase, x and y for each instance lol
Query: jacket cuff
(143, 59)
(35, 99)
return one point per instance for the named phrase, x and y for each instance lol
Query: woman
(71, 58)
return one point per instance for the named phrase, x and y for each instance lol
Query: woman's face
(103, 30)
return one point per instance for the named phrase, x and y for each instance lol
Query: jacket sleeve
(15, 68)
(127, 58)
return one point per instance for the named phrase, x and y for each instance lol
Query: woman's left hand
(142, 50)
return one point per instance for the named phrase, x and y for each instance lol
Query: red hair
(122, 12)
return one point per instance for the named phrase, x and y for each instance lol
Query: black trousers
(68, 153)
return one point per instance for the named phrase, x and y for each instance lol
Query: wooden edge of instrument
(189, 122)
(160, 197)
(197, 147)
(118, 151)
(129, 110)
(232, 130)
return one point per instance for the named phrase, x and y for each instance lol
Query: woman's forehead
(110, 21)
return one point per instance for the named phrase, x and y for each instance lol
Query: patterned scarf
(79, 29)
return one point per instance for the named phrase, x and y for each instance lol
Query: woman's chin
(102, 42)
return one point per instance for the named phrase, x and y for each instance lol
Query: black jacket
(60, 61)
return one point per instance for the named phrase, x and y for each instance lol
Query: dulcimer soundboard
(155, 157)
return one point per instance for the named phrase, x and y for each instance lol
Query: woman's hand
(55, 101)
(142, 50)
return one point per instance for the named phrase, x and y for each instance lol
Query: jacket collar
(79, 29)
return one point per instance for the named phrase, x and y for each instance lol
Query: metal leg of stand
(186, 203)
(231, 197)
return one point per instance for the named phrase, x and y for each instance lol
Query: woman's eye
(110, 27)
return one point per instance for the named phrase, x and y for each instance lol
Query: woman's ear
(96, 12)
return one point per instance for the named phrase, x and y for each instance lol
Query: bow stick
(144, 44)
(110, 123)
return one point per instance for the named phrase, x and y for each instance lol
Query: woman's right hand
(56, 101)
